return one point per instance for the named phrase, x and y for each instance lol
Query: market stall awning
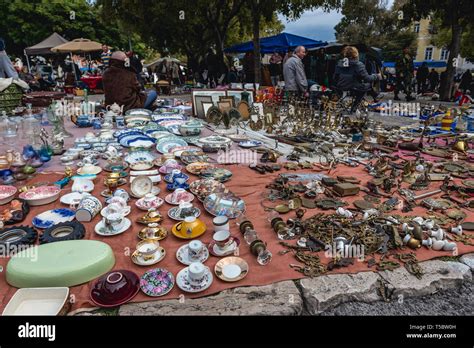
(45, 46)
(78, 45)
(431, 64)
(280, 43)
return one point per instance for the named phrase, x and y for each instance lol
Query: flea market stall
(239, 187)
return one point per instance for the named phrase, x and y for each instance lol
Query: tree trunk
(454, 48)
(256, 44)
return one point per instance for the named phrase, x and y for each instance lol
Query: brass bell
(460, 146)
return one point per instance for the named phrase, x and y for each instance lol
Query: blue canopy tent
(280, 43)
(431, 64)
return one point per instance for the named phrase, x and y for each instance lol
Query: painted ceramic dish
(116, 167)
(183, 255)
(216, 140)
(238, 137)
(176, 214)
(138, 112)
(160, 233)
(149, 201)
(197, 168)
(231, 269)
(188, 157)
(177, 151)
(140, 156)
(157, 282)
(203, 188)
(102, 230)
(94, 170)
(71, 198)
(138, 259)
(145, 142)
(219, 174)
(7, 193)
(184, 197)
(53, 217)
(41, 195)
(226, 204)
(250, 143)
(115, 288)
(144, 172)
(169, 178)
(141, 165)
(182, 280)
(230, 249)
(141, 186)
(166, 145)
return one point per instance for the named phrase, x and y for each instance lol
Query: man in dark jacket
(433, 78)
(404, 72)
(421, 77)
(122, 87)
(351, 75)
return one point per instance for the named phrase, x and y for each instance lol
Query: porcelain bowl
(41, 195)
(115, 288)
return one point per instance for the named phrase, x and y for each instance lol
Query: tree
(443, 36)
(455, 15)
(371, 22)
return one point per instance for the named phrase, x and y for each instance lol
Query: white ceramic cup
(195, 249)
(221, 238)
(185, 209)
(221, 223)
(196, 272)
(118, 201)
(115, 208)
(114, 221)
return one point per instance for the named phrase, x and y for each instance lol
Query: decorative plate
(117, 166)
(219, 174)
(188, 197)
(7, 193)
(215, 140)
(231, 269)
(142, 142)
(41, 195)
(140, 156)
(188, 157)
(197, 168)
(226, 204)
(250, 143)
(174, 213)
(141, 165)
(166, 145)
(238, 137)
(53, 217)
(158, 135)
(203, 188)
(138, 112)
(71, 198)
(183, 252)
(141, 186)
(177, 151)
(127, 132)
(157, 282)
(144, 172)
(184, 284)
(146, 204)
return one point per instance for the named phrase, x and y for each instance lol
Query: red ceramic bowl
(115, 288)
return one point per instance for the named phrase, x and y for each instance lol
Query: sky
(316, 24)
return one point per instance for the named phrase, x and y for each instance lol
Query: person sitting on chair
(122, 87)
(351, 75)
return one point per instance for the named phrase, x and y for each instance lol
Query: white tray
(37, 301)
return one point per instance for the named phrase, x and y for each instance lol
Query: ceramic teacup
(118, 200)
(190, 225)
(185, 209)
(196, 273)
(115, 208)
(147, 248)
(195, 249)
(221, 223)
(122, 194)
(179, 195)
(222, 238)
(114, 221)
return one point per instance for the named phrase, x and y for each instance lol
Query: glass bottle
(9, 127)
(31, 128)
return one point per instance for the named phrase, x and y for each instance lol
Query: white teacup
(122, 194)
(195, 249)
(196, 272)
(114, 221)
(115, 208)
(179, 195)
(221, 223)
(118, 201)
(185, 209)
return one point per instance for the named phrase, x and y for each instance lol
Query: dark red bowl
(115, 288)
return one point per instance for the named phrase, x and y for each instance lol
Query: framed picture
(224, 106)
(210, 93)
(198, 105)
(237, 94)
(258, 107)
(231, 99)
(206, 106)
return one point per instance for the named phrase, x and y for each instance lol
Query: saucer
(71, 198)
(102, 231)
(155, 191)
(157, 257)
(184, 284)
(231, 269)
(157, 282)
(173, 213)
(159, 235)
(228, 250)
(172, 187)
(183, 256)
(189, 198)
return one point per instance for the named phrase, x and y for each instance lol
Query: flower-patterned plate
(157, 282)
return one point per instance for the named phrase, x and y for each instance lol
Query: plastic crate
(10, 98)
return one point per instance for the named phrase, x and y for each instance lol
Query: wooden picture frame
(231, 99)
(198, 106)
(212, 93)
(206, 106)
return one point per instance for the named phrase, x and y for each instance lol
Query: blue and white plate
(250, 143)
(126, 132)
(175, 186)
(138, 112)
(140, 156)
(169, 177)
(53, 217)
(142, 142)
(167, 144)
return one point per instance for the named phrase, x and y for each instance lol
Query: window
(428, 53)
(444, 54)
(416, 28)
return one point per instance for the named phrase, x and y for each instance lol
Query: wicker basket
(10, 98)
